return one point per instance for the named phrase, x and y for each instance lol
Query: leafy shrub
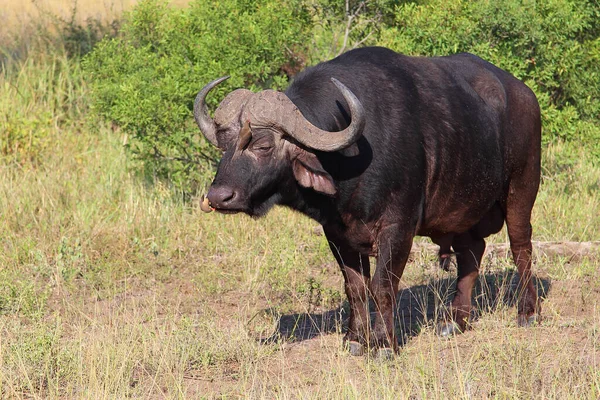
(553, 46)
(146, 79)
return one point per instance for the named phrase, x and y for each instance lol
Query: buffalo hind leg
(518, 217)
(469, 250)
(391, 260)
(445, 252)
(356, 271)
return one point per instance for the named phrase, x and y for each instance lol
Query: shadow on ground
(417, 307)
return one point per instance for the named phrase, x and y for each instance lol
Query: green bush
(146, 79)
(552, 45)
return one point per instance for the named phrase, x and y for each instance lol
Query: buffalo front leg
(356, 271)
(469, 251)
(393, 253)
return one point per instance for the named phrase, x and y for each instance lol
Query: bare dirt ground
(274, 346)
(310, 343)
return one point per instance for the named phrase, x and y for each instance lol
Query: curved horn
(272, 108)
(319, 139)
(203, 119)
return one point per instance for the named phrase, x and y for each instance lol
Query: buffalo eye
(262, 149)
(262, 146)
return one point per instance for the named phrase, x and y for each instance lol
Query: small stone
(356, 349)
(448, 329)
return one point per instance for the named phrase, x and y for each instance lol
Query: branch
(189, 159)
(362, 41)
(563, 249)
(351, 18)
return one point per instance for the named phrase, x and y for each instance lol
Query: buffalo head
(268, 145)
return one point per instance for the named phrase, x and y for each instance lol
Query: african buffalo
(379, 147)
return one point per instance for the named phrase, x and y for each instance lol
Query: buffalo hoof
(448, 329)
(525, 321)
(355, 348)
(384, 354)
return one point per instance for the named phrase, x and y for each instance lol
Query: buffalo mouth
(240, 206)
(228, 211)
(208, 206)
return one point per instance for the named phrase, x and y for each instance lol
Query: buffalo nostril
(228, 197)
(220, 196)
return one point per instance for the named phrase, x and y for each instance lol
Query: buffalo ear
(309, 173)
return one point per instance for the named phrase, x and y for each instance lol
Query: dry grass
(20, 19)
(18, 12)
(15, 13)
